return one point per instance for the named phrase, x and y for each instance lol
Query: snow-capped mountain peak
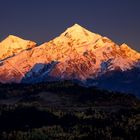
(13, 45)
(129, 52)
(14, 39)
(79, 33)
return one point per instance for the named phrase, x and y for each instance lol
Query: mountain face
(13, 45)
(77, 54)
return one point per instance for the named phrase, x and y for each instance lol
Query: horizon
(38, 44)
(42, 21)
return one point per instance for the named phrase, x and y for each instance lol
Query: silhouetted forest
(67, 111)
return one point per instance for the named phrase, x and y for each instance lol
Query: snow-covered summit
(77, 32)
(132, 54)
(13, 45)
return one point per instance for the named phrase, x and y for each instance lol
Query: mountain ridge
(77, 54)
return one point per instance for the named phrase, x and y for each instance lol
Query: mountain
(130, 53)
(77, 55)
(13, 45)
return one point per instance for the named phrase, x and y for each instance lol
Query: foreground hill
(63, 110)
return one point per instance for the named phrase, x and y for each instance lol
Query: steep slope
(77, 54)
(13, 45)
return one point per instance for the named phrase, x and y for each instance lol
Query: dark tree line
(91, 114)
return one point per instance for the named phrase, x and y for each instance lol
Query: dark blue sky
(42, 20)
